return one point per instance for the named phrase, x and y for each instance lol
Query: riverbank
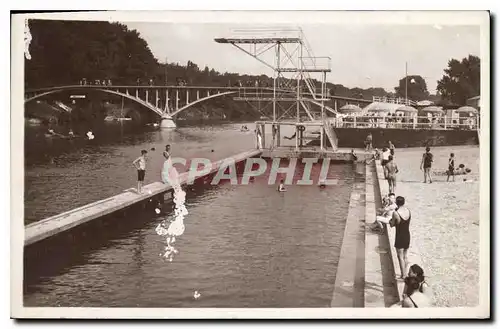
(445, 223)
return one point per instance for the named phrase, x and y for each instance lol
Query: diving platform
(258, 40)
(54, 225)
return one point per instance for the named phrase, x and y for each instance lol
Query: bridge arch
(108, 91)
(201, 100)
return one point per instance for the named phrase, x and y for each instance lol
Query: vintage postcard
(320, 164)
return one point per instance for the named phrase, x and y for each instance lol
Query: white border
(295, 18)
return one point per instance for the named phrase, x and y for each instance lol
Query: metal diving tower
(299, 77)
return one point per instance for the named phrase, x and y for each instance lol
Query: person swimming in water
(282, 188)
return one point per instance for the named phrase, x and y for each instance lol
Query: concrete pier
(54, 225)
(167, 122)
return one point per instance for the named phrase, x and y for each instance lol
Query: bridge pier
(167, 122)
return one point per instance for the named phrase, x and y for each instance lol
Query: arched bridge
(162, 100)
(169, 101)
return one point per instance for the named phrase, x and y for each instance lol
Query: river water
(244, 246)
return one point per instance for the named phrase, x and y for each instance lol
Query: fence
(406, 122)
(399, 100)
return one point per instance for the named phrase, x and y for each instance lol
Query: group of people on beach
(395, 214)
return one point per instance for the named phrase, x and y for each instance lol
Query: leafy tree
(461, 81)
(416, 86)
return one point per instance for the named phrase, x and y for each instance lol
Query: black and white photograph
(204, 164)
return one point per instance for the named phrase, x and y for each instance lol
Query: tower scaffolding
(288, 54)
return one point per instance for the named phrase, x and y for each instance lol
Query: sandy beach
(445, 222)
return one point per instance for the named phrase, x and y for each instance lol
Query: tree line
(64, 52)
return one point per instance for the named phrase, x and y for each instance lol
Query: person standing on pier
(167, 173)
(401, 220)
(427, 159)
(392, 148)
(392, 170)
(140, 164)
(166, 153)
(385, 158)
(259, 139)
(368, 142)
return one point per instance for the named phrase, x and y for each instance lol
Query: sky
(362, 56)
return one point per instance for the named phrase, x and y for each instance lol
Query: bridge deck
(56, 224)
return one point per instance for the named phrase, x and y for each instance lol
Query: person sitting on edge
(282, 188)
(386, 214)
(427, 159)
(392, 170)
(140, 164)
(451, 167)
(375, 156)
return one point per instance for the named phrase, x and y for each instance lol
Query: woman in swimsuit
(401, 220)
(416, 291)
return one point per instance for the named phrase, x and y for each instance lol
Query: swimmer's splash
(174, 228)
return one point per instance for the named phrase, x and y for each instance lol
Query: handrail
(408, 122)
(394, 100)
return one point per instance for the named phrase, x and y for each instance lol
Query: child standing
(451, 167)
(140, 165)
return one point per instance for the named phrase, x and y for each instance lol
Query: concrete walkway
(445, 222)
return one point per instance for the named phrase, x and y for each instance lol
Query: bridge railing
(416, 122)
